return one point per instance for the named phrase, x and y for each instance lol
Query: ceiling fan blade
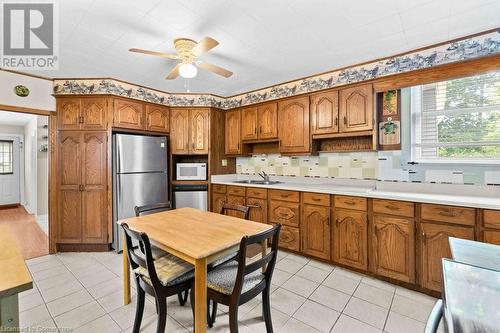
(215, 69)
(154, 53)
(205, 45)
(174, 73)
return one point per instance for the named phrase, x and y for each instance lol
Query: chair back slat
(268, 259)
(151, 209)
(230, 209)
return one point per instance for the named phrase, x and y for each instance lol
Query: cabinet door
(356, 109)
(315, 231)
(286, 213)
(268, 121)
(393, 243)
(293, 125)
(218, 199)
(94, 180)
(94, 114)
(157, 118)
(434, 246)
(350, 238)
(325, 113)
(235, 200)
(232, 129)
(69, 228)
(179, 131)
(128, 114)
(68, 113)
(290, 238)
(199, 121)
(249, 123)
(258, 210)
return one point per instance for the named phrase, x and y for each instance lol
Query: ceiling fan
(188, 52)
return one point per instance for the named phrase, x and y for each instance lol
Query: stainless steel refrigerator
(140, 176)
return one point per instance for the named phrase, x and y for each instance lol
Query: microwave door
(188, 172)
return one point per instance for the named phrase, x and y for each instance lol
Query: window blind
(457, 119)
(6, 157)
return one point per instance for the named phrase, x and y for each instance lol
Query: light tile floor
(83, 292)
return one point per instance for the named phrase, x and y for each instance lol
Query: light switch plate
(224, 162)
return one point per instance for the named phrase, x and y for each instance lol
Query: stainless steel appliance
(140, 176)
(194, 196)
(191, 171)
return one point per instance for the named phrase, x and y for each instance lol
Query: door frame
(52, 195)
(21, 164)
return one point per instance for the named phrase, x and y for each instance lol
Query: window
(6, 157)
(457, 120)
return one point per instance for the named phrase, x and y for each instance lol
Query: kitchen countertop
(487, 197)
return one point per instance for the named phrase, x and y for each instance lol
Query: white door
(9, 170)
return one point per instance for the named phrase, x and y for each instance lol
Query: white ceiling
(263, 42)
(15, 118)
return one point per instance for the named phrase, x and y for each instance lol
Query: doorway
(24, 180)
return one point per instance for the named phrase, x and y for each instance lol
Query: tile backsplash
(383, 165)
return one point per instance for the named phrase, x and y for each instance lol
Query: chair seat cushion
(223, 278)
(222, 260)
(170, 269)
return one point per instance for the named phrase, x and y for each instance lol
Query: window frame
(2, 141)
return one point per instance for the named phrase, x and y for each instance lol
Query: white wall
(11, 129)
(42, 170)
(30, 166)
(40, 96)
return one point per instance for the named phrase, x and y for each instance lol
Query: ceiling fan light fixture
(188, 70)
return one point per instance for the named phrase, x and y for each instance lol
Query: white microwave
(191, 171)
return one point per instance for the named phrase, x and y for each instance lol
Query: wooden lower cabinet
(258, 209)
(284, 212)
(491, 236)
(393, 247)
(434, 246)
(290, 238)
(235, 200)
(315, 231)
(350, 238)
(218, 200)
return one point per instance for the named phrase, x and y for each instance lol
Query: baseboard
(14, 205)
(83, 247)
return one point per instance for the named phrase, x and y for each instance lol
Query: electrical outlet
(224, 163)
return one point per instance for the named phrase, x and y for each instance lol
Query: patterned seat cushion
(222, 260)
(170, 270)
(223, 278)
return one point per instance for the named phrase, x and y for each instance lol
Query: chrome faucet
(264, 176)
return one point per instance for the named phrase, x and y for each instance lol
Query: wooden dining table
(196, 236)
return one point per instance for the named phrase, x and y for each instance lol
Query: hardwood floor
(32, 241)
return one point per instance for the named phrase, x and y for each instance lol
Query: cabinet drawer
(217, 188)
(259, 193)
(391, 207)
(491, 236)
(491, 218)
(290, 238)
(452, 214)
(356, 203)
(316, 199)
(290, 196)
(286, 213)
(236, 190)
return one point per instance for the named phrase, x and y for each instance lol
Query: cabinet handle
(336, 121)
(260, 129)
(448, 213)
(350, 203)
(285, 195)
(316, 199)
(345, 120)
(392, 207)
(337, 221)
(328, 221)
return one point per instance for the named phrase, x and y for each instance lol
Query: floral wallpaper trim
(470, 48)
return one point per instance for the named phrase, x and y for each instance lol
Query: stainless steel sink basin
(257, 182)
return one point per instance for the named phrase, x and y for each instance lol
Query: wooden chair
(158, 253)
(236, 282)
(161, 278)
(228, 208)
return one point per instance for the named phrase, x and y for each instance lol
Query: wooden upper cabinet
(293, 125)
(179, 131)
(267, 115)
(248, 123)
(94, 181)
(393, 247)
(356, 108)
(434, 245)
(94, 115)
(199, 121)
(315, 231)
(128, 114)
(232, 132)
(325, 113)
(350, 238)
(68, 113)
(157, 118)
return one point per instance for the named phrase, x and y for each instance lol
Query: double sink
(257, 182)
